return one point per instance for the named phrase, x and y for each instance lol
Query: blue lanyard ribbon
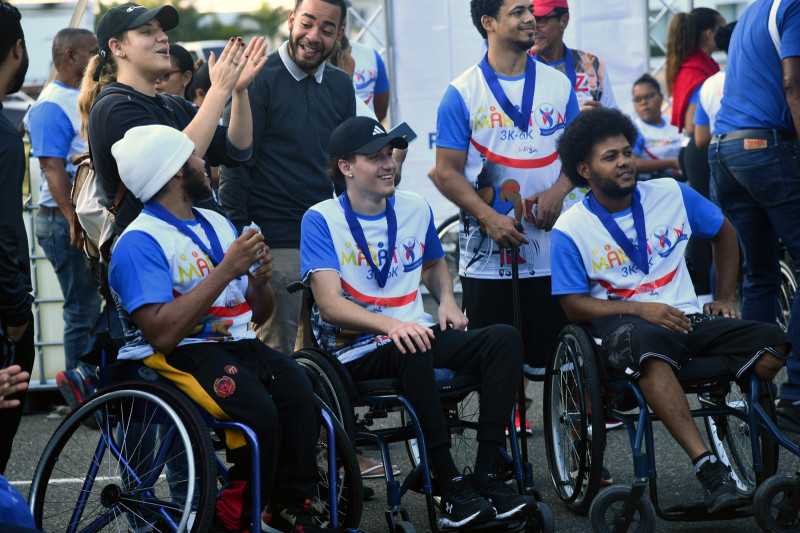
(381, 274)
(636, 253)
(569, 66)
(215, 253)
(522, 116)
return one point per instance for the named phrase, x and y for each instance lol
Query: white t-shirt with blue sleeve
(587, 260)
(326, 243)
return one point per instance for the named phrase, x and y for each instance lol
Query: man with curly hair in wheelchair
(191, 287)
(618, 266)
(364, 254)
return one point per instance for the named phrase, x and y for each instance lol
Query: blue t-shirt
(753, 94)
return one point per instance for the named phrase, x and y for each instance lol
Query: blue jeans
(759, 191)
(83, 316)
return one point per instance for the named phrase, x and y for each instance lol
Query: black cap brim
(376, 145)
(166, 15)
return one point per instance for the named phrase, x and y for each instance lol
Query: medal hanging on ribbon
(637, 253)
(381, 274)
(522, 116)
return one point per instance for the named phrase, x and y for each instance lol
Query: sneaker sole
(512, 512)
(724, 501)
(68, 391)
(481, 517)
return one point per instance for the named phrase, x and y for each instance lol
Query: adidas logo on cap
(377, 130)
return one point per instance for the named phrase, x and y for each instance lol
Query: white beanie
(149, 156)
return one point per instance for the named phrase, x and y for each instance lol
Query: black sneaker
(718, 485)
(461, 505)
(789, 415)
(506, 501)
(279, 519)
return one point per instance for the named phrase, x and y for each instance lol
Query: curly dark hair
(589, 128)
(650, 80)
(479, 8)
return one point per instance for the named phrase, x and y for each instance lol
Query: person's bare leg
(768, 365)
(666, 398)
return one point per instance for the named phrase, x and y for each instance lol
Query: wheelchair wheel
(462, 419)
(329, 387)
(772, 505)
(607, 508)
(134, 471)
(573, 420)
(729, 438)
(786, 295)
(349, 489)
(449, 237)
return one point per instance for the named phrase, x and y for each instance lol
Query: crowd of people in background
(283, 159)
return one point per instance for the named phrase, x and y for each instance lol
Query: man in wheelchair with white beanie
(192, 287)
(618, 266)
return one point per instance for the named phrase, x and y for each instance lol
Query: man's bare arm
(582, 308)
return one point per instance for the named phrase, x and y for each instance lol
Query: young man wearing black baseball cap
(364, 254)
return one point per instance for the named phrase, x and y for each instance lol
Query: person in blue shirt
(753, 157)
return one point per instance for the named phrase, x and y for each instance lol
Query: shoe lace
(460, 489)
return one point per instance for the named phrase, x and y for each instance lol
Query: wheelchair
(739, 417)
(139, 455)
(459, 398)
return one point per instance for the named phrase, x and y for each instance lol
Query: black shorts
(627, 340)
(489, 301)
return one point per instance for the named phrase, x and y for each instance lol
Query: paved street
(676, 480)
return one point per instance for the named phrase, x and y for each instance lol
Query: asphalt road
(676, 479)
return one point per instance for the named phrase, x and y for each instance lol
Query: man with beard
(498, 122)
(16, 319)
(185, 267)
(297, 100)
(618, 267)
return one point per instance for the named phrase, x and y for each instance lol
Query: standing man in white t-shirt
(496, 159)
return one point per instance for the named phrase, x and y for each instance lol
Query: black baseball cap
(131, 15)
(361, 135)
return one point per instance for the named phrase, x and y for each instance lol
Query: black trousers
(493, 354)
(249, 382)
(24, 355)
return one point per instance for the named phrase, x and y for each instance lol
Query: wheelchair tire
(574, 427)
(542, 520)
(350, 492)
(451, 244)
(114, 478)
(729, 439)
(608, 506)
(786, 294)
(462, 419)
(328, 385)
(772, 505)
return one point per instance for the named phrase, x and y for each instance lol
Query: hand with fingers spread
(411, 337)
(12, 381)
(242, 253)
(225, 71)
(664, 315)
(253, 60)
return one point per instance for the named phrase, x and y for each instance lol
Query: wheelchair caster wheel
(541, 520)
(772, 505)
(606, 512)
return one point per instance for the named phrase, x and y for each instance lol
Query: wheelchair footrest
(698, 511)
